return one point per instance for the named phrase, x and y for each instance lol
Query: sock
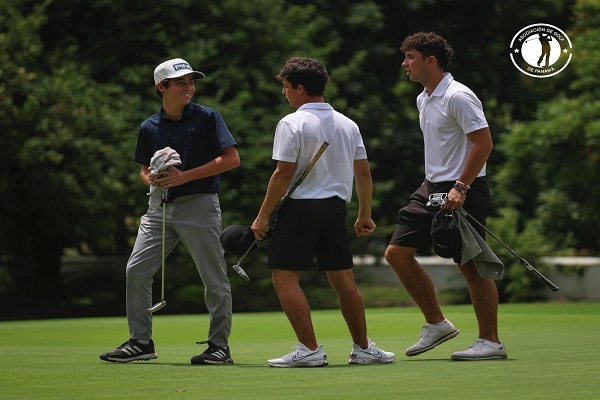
(494, 344)
(440, 323)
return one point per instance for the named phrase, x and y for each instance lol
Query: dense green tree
(548, 186)
(560, 150)
(75, 83)
(61, 146)
(74, 101)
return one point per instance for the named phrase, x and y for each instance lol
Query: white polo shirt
(446, 117)
(298, 137)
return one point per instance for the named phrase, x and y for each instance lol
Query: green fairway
(553, 349)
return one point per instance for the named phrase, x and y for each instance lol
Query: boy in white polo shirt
(312, 222)
(457, 145)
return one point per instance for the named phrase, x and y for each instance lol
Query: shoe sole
(370, 361)
(307, 364)
(490, 358)
(208, 362)
(449, 336)
(144, 357)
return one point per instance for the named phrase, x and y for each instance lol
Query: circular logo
(541, 50)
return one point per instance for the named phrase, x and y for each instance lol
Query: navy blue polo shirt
(199, 136)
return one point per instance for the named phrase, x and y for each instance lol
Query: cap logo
(179, 66)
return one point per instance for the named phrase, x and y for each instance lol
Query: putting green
(553, 354)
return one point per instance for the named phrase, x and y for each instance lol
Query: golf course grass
(553, 349)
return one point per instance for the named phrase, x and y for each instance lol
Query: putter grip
(539, 275)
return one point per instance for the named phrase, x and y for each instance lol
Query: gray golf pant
(195, 221)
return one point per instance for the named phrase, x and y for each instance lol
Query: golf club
(237, 267)
(523, 262)
(162, 302)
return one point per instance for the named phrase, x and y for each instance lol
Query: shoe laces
(373, 345)
(299, 348)
(478, 345)
(427, 329)
(294, 354)
(129, 343)
(212, 349)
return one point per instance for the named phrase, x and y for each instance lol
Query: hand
(260, 228)
(455, 200)
(153, 177)
(364, 226)
(169, 177)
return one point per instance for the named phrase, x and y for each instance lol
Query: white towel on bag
(160, 161)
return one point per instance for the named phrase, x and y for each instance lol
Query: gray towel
(160, 161)
(474, 248)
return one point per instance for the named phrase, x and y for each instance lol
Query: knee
(397, 256)
(135, 274)
(390, 254)
(470, 273)
(283, 284)
(343, 282)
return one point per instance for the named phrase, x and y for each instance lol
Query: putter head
(241, 272)
(437, 200)
(157, 307)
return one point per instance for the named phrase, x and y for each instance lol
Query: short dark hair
(165, 84)
(308, 72)
(429, 44)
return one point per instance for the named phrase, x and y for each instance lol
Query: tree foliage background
(76, 82)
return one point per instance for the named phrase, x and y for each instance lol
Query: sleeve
(361, 150)
(467, 110)
(144, 149)
(286, 144)
(220, 137)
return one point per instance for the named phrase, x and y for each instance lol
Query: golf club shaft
(162, 303)
(237, 267)
(162, 280)
(300, 179)
(522, 261)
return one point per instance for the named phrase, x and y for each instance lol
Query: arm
(482, 148)
(278, 185)
(229, 159)
(145, 175)
(364, 225)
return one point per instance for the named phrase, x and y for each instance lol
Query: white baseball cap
(174, 68)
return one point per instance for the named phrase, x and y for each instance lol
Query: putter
(237, 267)
(162, 302)
(523, 262)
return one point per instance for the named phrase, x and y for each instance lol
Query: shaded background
(76, 82)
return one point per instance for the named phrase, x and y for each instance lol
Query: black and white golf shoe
(131, 350)
(213, 355)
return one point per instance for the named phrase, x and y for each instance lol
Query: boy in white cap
(193, 215)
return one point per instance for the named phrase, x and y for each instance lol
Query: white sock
(496, 345)
(440, 323)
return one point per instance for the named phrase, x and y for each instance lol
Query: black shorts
(413, 228)
(309, 229)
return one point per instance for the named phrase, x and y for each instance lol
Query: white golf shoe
(482, 349)
(302, 357)
(371, 355)
(431, 336)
